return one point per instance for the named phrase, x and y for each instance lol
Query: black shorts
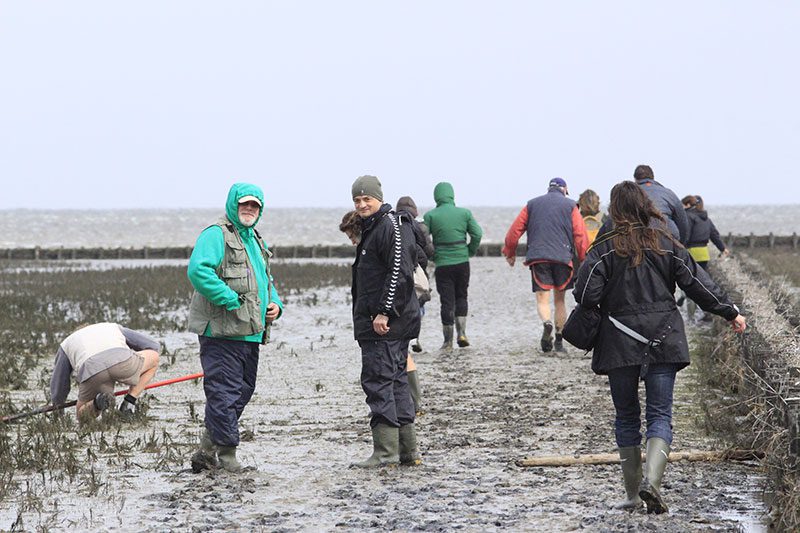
(548, 276)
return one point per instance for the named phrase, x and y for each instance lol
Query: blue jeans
(659, 384)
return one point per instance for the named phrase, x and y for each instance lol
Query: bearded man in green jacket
(450, 226)
(234, 302)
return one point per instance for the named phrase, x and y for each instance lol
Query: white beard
(247, 220)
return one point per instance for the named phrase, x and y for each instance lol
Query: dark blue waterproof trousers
(385, 381)
(230, 369)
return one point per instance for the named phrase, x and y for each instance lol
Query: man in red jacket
(556, 237)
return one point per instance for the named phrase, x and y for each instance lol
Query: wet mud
(485, 406)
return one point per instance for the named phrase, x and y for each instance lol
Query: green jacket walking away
(456, 237)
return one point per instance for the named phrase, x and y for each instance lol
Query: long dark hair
(632, 212)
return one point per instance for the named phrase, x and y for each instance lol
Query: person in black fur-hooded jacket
(631, 274)
(385, 319)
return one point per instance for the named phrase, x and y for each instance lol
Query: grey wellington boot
(631, 460)
(559, 344)
(461, 328)
(416, 393)
(447, 345)
(409, 453)
(206, 457)
(227, 459)
(385, 447)
(657, 457)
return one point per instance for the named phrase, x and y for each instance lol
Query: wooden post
(794, 240)
(771, 240)
(146, 252)
(751, 241)
(36, 252)
(730, 240)
(613, 458)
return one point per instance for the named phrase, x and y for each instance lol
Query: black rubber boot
(227, 459)
(409, 453)
(631, 462)
(447, 345)
(206, 457)
(416, 346)
(416, 393)
(649, 489)
(559, 344)
(547, 337)
(103, 401)
(461, 329)
(385, 447)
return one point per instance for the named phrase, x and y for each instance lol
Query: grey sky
(162, 104)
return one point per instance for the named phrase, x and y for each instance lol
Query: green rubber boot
(206, 457)
(385, 447)
(461, 328)
(657, 457)
(227, 459)
(447, 345)
(416, 393)
(409, 453)
(631, 461)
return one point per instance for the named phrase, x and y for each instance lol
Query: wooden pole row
(612, 458)
(321, 251)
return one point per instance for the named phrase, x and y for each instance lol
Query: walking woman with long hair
(631, 275)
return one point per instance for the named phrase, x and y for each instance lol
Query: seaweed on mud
(44, 305)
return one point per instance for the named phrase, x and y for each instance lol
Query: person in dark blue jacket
(631, 275)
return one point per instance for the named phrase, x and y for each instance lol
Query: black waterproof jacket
(642, 298)
(702, 230)
(383, 276)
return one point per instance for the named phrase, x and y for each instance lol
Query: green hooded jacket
(208, 255)
(449, 226)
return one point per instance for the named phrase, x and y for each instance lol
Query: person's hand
(273, 311)
(380, 324)
(738, 324)
(511, 260)
(725, 253)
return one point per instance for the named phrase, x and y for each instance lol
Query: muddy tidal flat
(485, 407)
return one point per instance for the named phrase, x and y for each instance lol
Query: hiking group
(626, 264)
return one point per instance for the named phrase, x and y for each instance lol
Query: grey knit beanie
(368, 186)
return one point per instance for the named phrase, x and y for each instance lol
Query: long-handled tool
(48, 408)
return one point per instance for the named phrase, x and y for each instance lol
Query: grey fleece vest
(550, 235)
(237, 272)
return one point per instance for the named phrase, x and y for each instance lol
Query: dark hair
(643, 172)
(689, 199)
(700, 206)
(589, 203)
(351, 223)
(632, 211)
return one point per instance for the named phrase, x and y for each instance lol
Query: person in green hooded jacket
(233, 305)
(450, 226)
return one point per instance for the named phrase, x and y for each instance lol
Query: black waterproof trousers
(230, 369)
(385, 382)
(452, 282)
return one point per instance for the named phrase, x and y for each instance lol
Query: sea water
(136, 228)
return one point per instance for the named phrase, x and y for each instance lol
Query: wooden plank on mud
(612, 458)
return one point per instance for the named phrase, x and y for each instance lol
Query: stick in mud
(612, 458)
(49, 408)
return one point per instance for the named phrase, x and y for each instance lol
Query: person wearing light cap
(385, 319)
(556, 236)
(233, 305)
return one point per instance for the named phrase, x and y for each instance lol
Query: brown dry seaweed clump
(762, 369)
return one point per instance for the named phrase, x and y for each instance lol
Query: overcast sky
(166, 103)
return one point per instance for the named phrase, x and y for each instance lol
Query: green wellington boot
(206, 457)
(447, 345)
(657, 457)
(631, 461)
(461, 328)
(227, 459)
(416, 393)
(385, 447)
(409, 453)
